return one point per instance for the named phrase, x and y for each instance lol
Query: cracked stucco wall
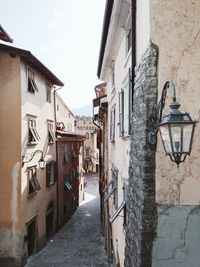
(178, 237)
(175, 29)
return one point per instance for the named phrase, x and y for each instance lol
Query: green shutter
(65, 154)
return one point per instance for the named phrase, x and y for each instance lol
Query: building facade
(115, 70)
(152, 213)
(65, 119)
(84, 125)
(70, 174)
(28, 194)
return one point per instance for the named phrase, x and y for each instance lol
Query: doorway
(31, 237)
(49, 224)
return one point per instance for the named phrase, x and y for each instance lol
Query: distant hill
(84, 111)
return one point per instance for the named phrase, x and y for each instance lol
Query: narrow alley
(79, 242)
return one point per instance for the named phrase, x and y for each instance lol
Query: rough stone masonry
(141, 207)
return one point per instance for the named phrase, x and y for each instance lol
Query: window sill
(126, 137)
(50, 143)
(32, 144)
(51, 184)
(33, 93)
(113, 90)
(32, 194)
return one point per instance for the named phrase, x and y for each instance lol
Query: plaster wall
(64, 114)
(36, 105)
(175, 30)
(10, 117)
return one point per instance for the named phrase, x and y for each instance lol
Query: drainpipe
(57, 189)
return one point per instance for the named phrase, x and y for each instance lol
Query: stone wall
(141, 207)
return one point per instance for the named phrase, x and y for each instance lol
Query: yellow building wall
(10, 156)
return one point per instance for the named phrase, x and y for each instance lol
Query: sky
(65, 35)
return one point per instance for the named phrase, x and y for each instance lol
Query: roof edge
(4, 35)
(106, 23)
(30, 58)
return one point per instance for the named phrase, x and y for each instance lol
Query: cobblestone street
(79, 242)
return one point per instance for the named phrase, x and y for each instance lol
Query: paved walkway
(79, 242)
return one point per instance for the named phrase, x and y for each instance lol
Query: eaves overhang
(114, 33)
(69, 136)
(4, 36)
(32, 61)
(106, 23)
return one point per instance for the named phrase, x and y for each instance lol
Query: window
(51, 173)
(32, 86)
(87, 135)
(60, 126)
(74, 151)
(87, 151)
(128, 33)
(51, 135)
(112, 187)
(113, 76)
(48, 92)
(109, 190)
(65, 153)
(125, 106)
(129, 40)
(33, 135)
(67, 182)
(114, 172)
(33, 182)
(121, 112)
(121, 207)
(112, 124)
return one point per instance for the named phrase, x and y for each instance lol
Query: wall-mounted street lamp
(176, 129)
(28, 157)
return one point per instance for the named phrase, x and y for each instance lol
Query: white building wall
(118, 151)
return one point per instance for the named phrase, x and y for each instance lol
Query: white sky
(64, 35)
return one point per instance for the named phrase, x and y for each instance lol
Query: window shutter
(130, 98)
(48, 173)
(121, 112)
(55, 170)
(65, 154)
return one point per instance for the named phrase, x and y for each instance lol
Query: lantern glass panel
(177, 137)
(42, 164)
(164, 131)
(187, 137)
